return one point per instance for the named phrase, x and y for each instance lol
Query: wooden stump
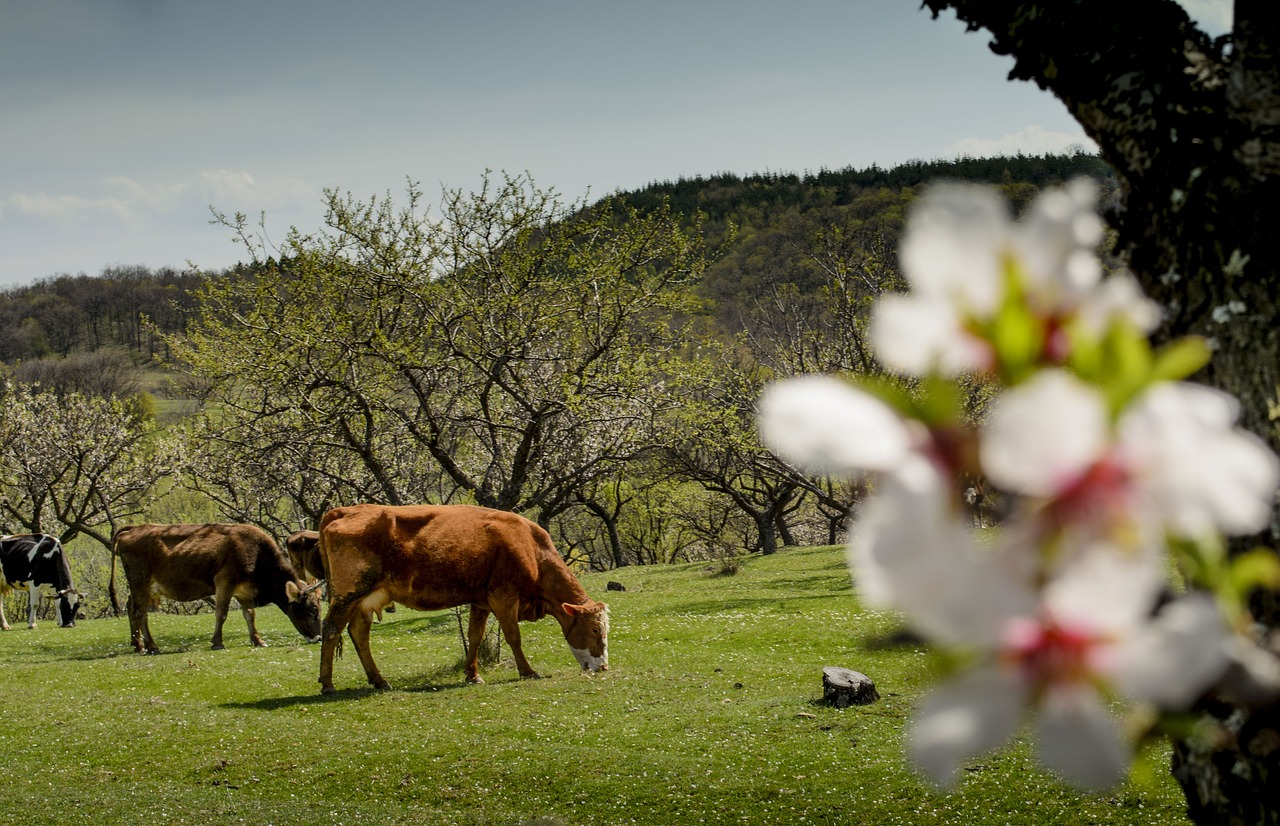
(842, 687)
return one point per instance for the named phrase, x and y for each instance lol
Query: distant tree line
(130, 308)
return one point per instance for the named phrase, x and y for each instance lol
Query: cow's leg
(361, 622)
(221, 604)
(335, 620)
(508, 615)
(476, 622)
(139, 623)
(135, 632)
(251, 620)
(4, 623)
(33, 602)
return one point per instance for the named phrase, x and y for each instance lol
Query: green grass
(708, 714)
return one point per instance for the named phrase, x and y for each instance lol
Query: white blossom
(824, 425)
(959, 251)
(1174, 462)
(1090, 632)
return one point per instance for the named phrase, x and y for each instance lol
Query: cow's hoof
(151, 651)
(382, 686)
(532, 675)
(218, 647)
(476, 680)
(328, 689)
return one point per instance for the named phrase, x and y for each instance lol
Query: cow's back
(182, 561)
(430, 556)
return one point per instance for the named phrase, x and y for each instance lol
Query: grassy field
(709, 713)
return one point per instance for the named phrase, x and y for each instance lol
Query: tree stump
(842, 687)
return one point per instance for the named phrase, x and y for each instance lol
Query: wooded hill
(766, 223)
(594, 367)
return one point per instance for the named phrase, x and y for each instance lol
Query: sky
(124, 124)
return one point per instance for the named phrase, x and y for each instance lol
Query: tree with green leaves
(507, 353)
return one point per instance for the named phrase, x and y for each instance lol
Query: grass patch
(709, 714)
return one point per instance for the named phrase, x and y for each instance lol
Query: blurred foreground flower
(1109, 460)
(989, 293)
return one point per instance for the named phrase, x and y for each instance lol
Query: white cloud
(128, 202)
(1033, 140)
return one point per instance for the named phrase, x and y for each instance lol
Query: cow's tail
(111, 582)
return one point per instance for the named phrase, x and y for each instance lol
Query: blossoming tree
(1116, 471)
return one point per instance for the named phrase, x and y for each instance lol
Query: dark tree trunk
(1192, 128)
(768, 531)
(610, 522)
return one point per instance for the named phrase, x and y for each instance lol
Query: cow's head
(303, 608)
(587, 632)
(68, 607)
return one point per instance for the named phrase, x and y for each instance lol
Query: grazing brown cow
(304, 552)
(430, 557)
(189, 562)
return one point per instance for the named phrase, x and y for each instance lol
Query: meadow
(710, 713)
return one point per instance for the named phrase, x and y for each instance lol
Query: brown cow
(304, 553)
(189, 562)
(430, 557)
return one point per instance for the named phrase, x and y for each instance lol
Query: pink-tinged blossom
(961, 253)
(1174, 461)
(1059, 655)
(1054, 650)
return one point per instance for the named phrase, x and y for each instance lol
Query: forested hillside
(593, 366)
(776, 218)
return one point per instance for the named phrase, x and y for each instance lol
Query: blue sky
(125, 121)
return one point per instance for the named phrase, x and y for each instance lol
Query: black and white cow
(37, 559)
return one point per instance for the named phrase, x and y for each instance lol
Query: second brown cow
(430, 557)
(190, 562)
(303, 548)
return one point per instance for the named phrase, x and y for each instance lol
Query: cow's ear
(571, 610)
(291, 591)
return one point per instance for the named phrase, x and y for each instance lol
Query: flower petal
(1177, 656)
(1201, 473)
(1077, 737)
(1056, 242)
(953, 246)
(1118, 297)
(910, 550)
(823, 425)
(917, 334)
(973, 713)
(1041, 436)
(1105, 589)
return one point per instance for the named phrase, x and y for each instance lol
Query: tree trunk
(1192, 130)
(610, 522)
(767, 528)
